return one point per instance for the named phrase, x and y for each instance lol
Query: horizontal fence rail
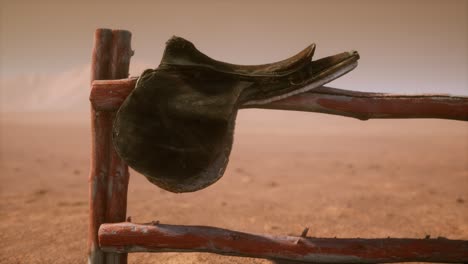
(108, 95)
(128, 237)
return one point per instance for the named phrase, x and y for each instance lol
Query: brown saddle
(177, 125)
(183, 53)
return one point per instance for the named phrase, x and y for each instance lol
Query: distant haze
(405, 46)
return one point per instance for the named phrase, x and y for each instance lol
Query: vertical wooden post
(100, 124)
(108, 179)
(118, 171)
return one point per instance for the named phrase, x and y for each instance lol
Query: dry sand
(340, 177)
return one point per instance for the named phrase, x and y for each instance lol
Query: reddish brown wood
(128, 237)
(109, 174)
(118, 178)
(117, 189)
(100, 125)
(365, 106)
(109, 95)
(118, 170)
(117, 186)
(121, 54)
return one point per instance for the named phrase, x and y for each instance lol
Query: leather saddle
(177, 126)
(181, 52)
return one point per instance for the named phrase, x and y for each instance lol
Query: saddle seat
(181, 52)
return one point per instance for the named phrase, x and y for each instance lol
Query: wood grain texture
(118, 178)
(128, 237)
(100, 125)
(109, 95)
(118, 171)
(109, 174)
(364, 106)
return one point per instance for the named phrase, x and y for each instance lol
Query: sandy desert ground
(340, 177)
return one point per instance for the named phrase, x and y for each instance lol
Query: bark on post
(118, 170)
(128, 237)
(100, 125)
(108, 175)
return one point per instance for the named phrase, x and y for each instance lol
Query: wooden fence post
(108, 179)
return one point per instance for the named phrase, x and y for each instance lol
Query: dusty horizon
(405, 46)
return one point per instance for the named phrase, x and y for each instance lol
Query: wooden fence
(111, 237)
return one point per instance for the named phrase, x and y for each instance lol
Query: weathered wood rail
(110, 238)
(108, 96)
(128, 237)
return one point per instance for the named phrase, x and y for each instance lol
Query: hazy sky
(404, 45)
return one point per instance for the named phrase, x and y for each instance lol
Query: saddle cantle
(177, 125)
